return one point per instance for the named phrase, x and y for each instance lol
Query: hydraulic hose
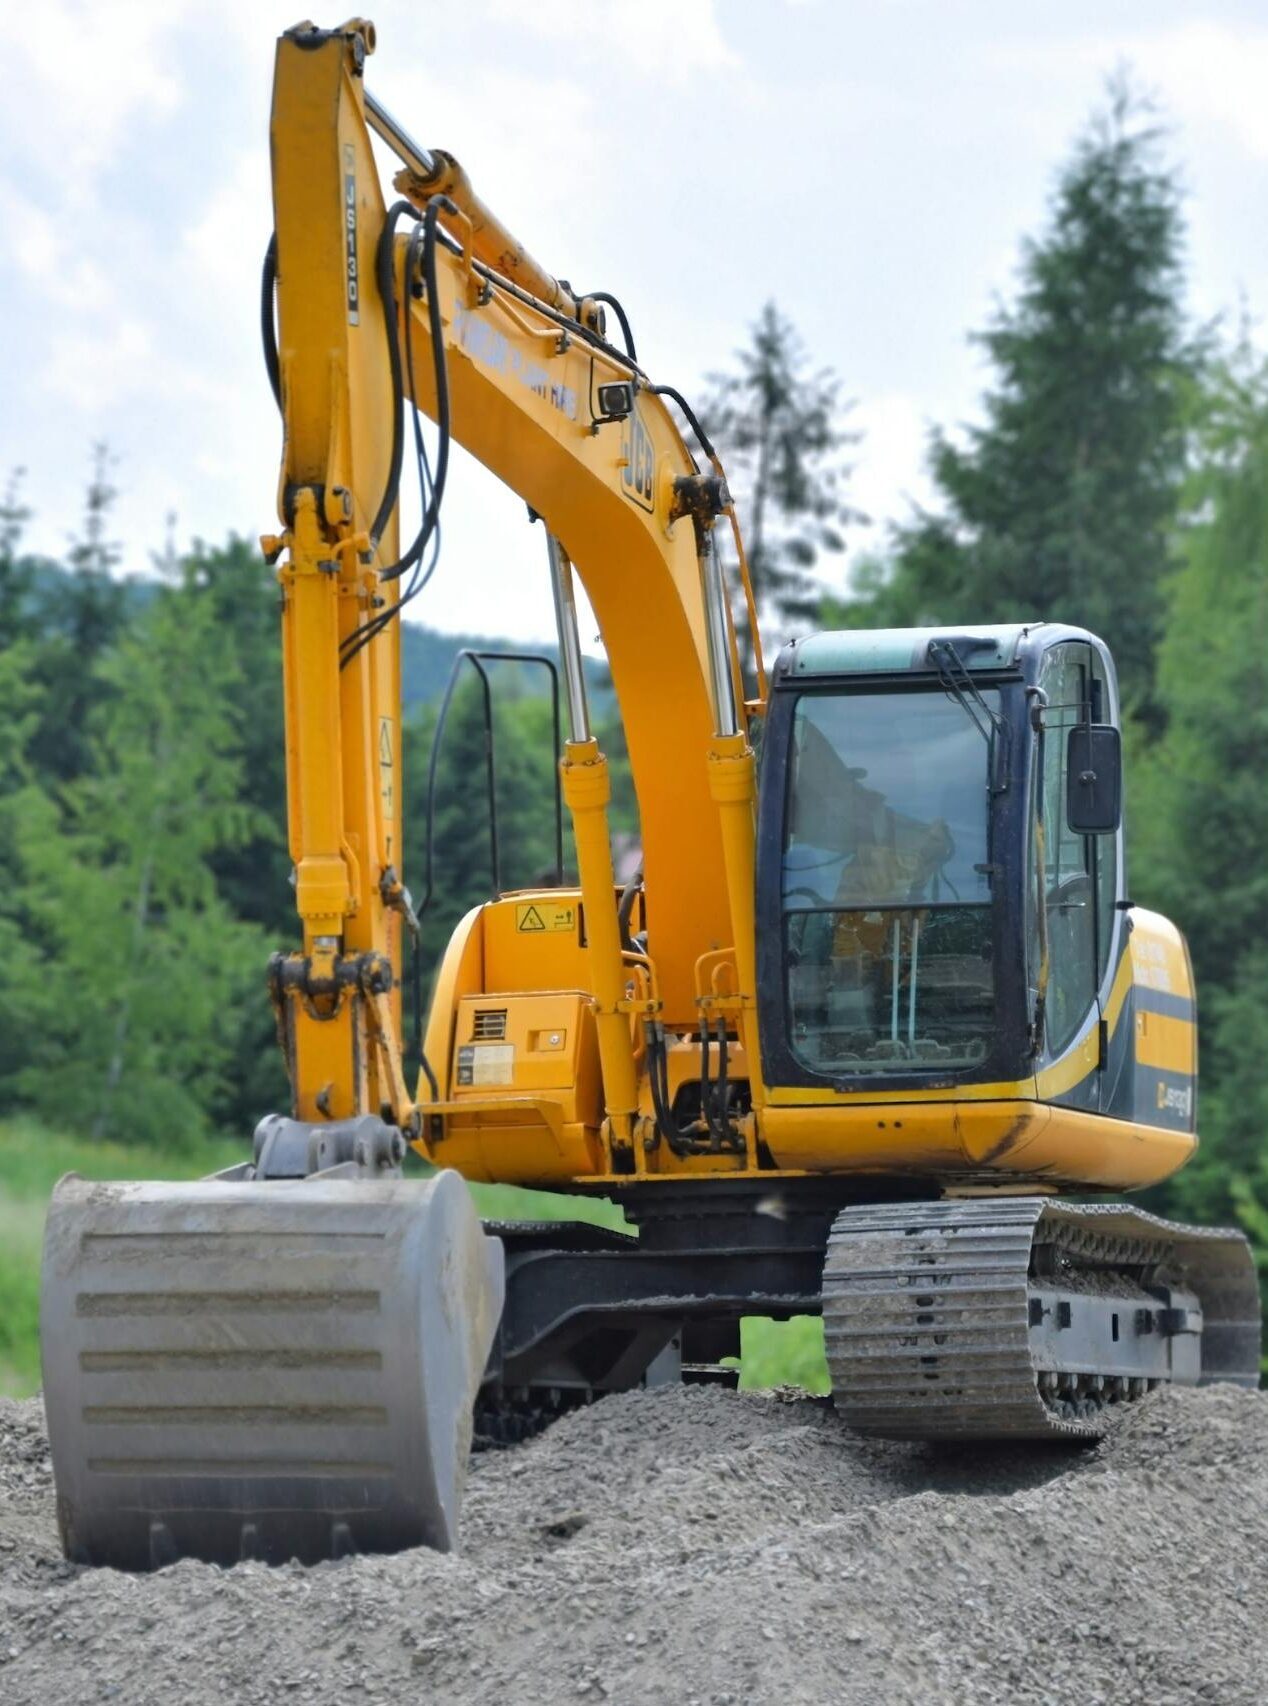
(693, 421)
(682, 1140)
(423, 239)
(268, 325)
(385, 273)
(615, 306)
(435, 327)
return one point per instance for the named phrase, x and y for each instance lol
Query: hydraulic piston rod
(402, 144)
(431, 172)
(569, 640)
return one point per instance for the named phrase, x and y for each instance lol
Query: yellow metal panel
(1168, 1043)
(461, 972)
(517, 957)
(547, 1043)
(512, 1055)
(511, 1145)
(1025, 1142)
(1159, 954)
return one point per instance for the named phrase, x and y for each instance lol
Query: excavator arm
(431, 302)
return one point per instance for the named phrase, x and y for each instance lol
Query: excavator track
(1027, 1317)
(265, 1369)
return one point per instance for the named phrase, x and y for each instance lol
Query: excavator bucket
(265, 1369)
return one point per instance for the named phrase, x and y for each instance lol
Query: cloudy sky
(870, 164)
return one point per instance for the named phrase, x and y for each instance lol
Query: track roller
(1027, 1317)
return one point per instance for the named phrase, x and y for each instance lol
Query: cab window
(1104, 848)
(1063, 863)
(886, 894)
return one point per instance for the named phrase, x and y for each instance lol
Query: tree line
(144, 873)
(1116, 477)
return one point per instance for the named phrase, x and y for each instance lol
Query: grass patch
(774, 1353)
(32, 1160)
(21, 1230)
(513, 1202)
(783, 1353)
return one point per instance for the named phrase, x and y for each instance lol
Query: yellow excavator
(867, 1010)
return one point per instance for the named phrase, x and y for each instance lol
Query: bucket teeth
(267, 1370)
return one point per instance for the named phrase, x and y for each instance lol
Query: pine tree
(1199, 810)
(92, 552)
(80, 617)
(781, 434)
(17, 635)
(132, 967)
(1061, 503)
(20, 697)
(15, 571)
(240, 593)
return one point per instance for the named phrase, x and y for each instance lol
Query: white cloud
(888, 471)
(211, 247)
(102, 364)
(1211, 72)
(672, 40)
(553, 174)
(1204, 72)
(49, 254)
(78, 73)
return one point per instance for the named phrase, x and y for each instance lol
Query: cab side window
(1063, 861)
(1104, 848)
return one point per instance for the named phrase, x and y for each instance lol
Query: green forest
(1116, 476)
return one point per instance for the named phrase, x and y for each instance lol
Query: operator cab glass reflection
(886, 886)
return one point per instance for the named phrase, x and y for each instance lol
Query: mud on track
(693, 1545)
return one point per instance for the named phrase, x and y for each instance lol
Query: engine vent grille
(489, 1025)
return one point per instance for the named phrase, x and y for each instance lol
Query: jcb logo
(638, 476)
(1175, 1100)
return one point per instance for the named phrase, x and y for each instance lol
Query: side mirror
(1094, 779)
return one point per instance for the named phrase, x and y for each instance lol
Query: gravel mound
(692, 1545)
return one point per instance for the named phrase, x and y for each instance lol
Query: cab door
(1074, 882)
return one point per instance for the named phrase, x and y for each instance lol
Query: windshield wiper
(959, 685)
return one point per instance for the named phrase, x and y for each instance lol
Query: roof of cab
(871, 651)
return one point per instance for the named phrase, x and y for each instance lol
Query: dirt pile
(700, 1546)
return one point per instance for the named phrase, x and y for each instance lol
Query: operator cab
(939, 856)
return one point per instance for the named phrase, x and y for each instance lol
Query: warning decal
(486, 1063)
(387, 773)
(546, 916)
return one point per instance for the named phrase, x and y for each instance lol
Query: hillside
(427, 655)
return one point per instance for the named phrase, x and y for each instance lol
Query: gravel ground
(694, 1545)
